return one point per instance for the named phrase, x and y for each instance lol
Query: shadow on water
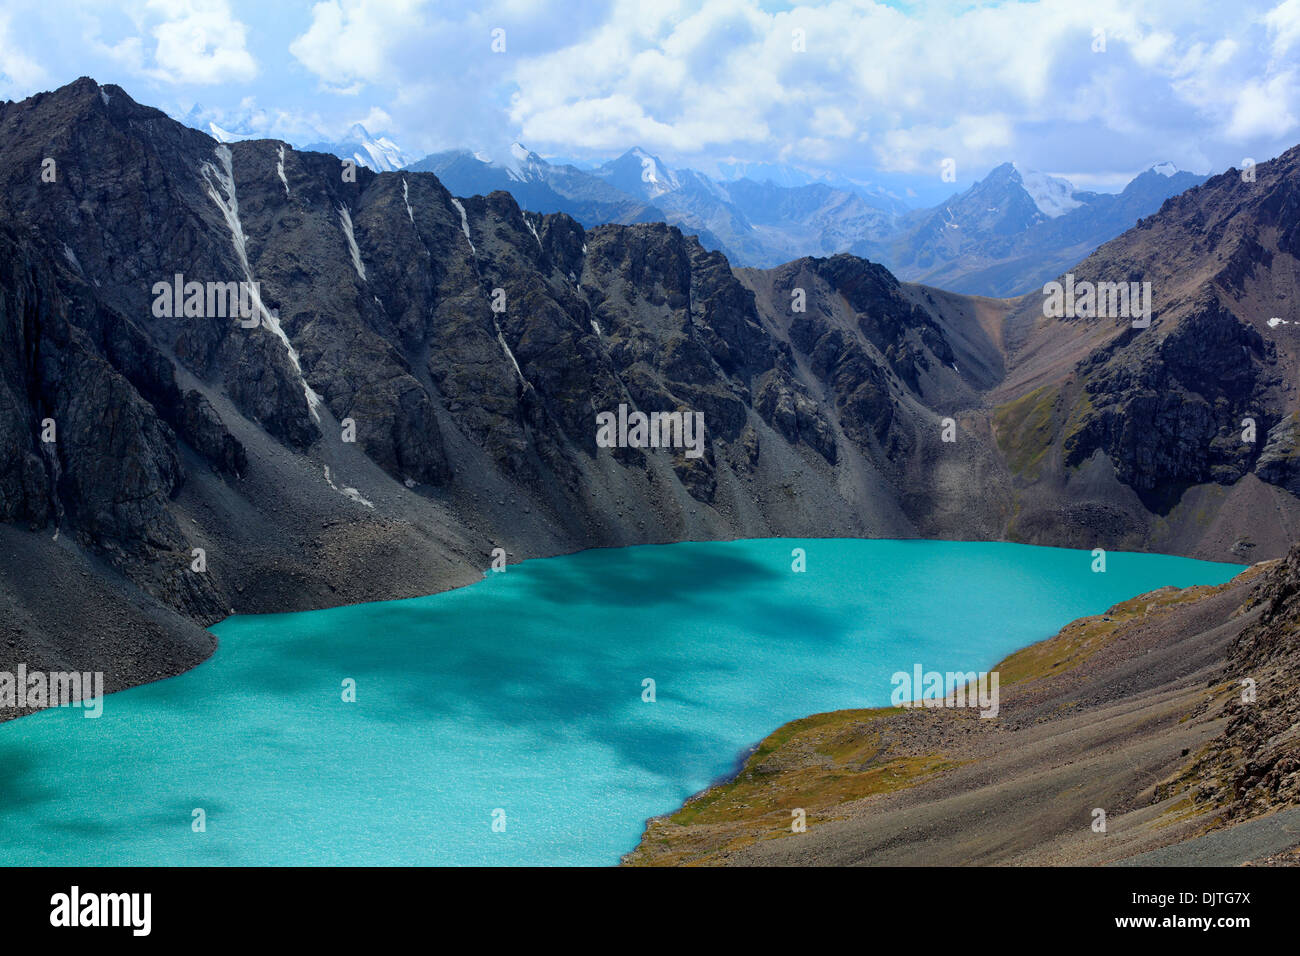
(661, 575)
(476, 632)
(473, 655)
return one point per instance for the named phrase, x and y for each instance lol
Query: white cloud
(1283, 23)
(349, 42)
(892, 87)
(17, 69)
(200, 42)
(1261, 110)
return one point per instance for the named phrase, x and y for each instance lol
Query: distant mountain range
(378, 153)
(753, 223)
(1007, 234)
(1016, 229)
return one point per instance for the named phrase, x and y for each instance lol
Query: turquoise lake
(523, 693)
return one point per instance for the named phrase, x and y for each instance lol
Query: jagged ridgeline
(412, 380)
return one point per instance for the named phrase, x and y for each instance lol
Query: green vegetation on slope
(1024, 429)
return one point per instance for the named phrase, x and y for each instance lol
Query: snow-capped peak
(381, 155)
(1164, 169)
(222, 135)
(649, 165)
(520, 163)
(1052, 195)
(658, 179)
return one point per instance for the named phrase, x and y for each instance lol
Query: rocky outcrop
(1171, 411)
(1253, 765)
(1183, 428)
(784, 405)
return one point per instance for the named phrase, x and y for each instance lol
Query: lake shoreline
(716, 827)
(458, 579)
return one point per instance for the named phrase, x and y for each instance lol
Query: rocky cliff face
(415, 380)
(1169, 412)
(81, 446)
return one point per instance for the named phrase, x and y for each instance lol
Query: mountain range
(1016, 229)
(1005, 235)
(1008, 233)
(419, 383)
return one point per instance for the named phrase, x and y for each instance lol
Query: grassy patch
(815, 764)
(1080, 413)
(1024, 430)
(813, 757)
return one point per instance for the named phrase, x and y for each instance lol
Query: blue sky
(855, 88)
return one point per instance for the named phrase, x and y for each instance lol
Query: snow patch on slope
(279, 169)
(1053, 196)
(464, 223)
(223, 181)
(72, 258)
(347, 492)
(345, 218)
(406, 198)
(511, 355)
(226, 136)
(533, 229)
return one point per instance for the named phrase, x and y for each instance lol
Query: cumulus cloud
(350, 42)
(200, 42)
(1283, 22)
(1262, 109)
